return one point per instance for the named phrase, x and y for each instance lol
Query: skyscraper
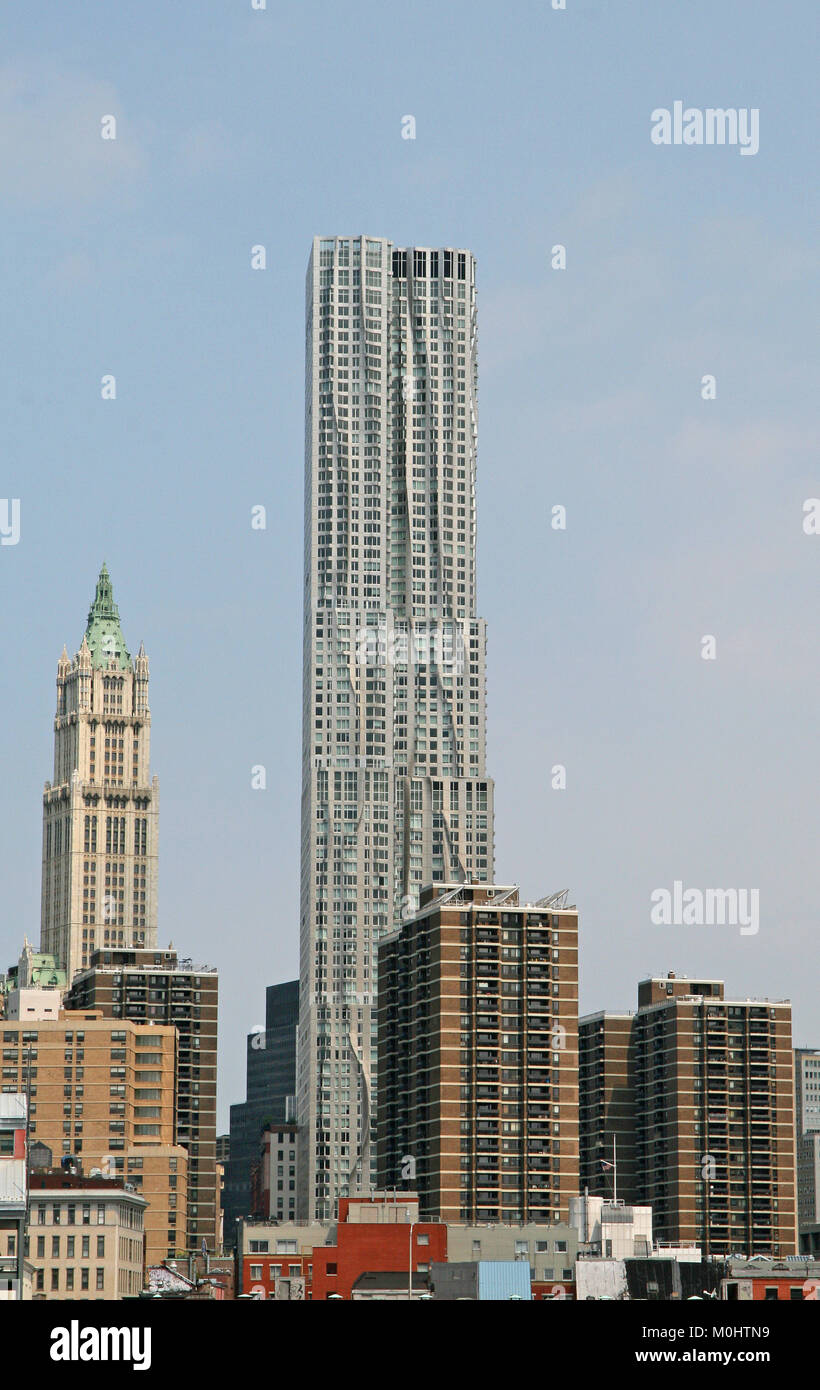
(100, 811)
(394, 787)
(270, 1088)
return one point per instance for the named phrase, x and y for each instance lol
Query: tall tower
(394, 788)
(100, 812)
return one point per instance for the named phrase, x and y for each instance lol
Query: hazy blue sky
(685, 516)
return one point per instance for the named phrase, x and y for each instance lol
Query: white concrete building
(613, 1230)
(33, 1004)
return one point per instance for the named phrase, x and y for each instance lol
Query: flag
(605, 1163)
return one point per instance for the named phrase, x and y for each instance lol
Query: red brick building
(373, 1234)
(771, 1281)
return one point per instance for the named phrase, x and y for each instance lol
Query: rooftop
(391, 1279)
(58, 1182)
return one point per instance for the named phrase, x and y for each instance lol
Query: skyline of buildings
(479, 1094)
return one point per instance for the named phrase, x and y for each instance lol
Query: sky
(238, 127)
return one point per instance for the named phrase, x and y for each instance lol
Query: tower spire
(103, 632)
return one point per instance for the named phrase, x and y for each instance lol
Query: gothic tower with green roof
(101, 809)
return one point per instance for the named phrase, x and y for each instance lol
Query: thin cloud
(51, 145)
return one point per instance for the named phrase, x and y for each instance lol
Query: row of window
(69, 1282)
(70, 1208)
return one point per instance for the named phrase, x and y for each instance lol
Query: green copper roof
(43, 971)
(103, 633)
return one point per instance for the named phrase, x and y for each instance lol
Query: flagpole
(615, 1167)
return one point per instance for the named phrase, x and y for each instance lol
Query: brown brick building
(477, 1060)
(606, 1086)
(102, 1091)
(155, 986)
(699, 1090)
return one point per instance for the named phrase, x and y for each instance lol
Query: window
(256, 1271)
(83, 1278)
(770, 1295)
(100, 1278)
(100, 1247)
(55, 1278)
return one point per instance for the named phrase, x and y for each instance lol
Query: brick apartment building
(102, 1090)
(698, 1093)
(477, 1059)
(147, 986)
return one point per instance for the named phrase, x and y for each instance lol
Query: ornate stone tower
(100, 812)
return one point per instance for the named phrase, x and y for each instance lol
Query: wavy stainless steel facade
(394, 789)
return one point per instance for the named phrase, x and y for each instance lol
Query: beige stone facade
(159, 1173)
(86, 1239)
(101, 808)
